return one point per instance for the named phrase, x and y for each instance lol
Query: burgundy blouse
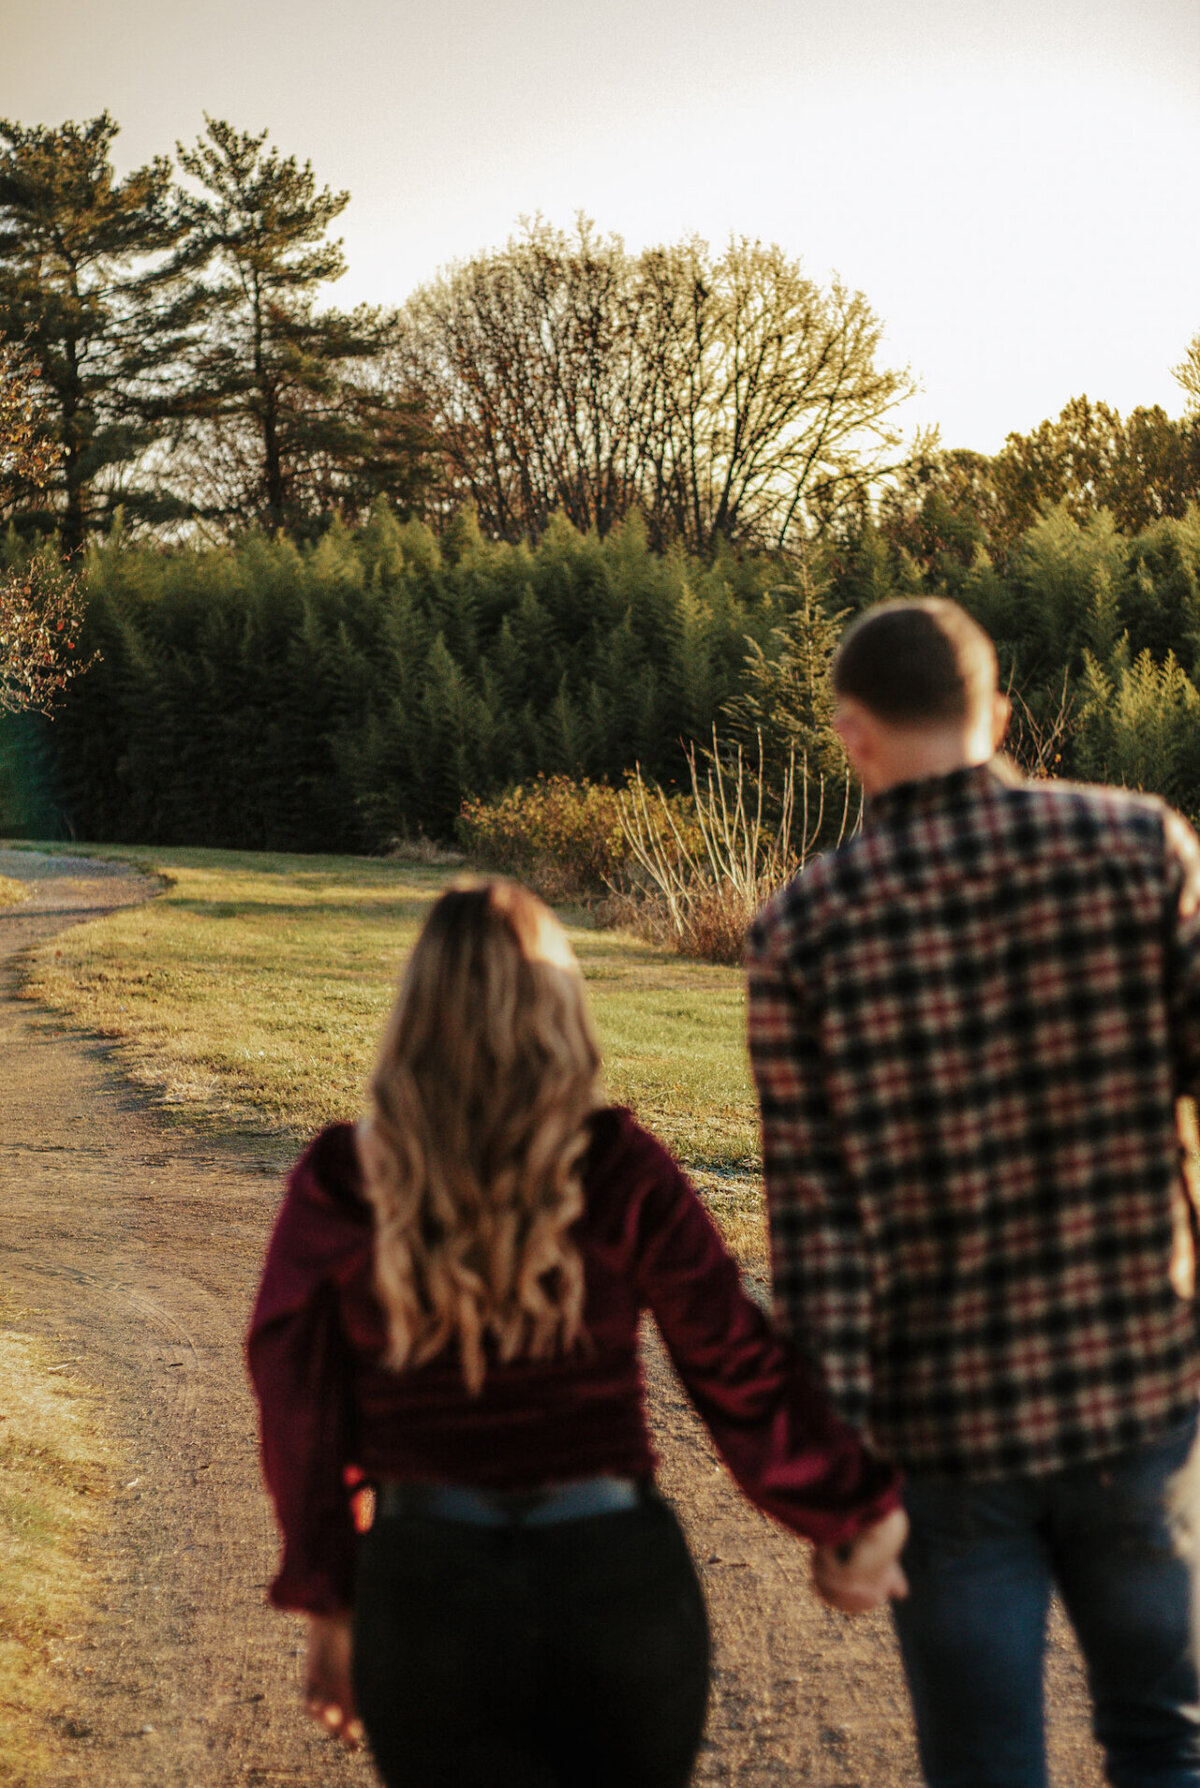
(328, 1404)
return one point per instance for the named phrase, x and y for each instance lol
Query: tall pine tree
(281, 410)
(88, 281)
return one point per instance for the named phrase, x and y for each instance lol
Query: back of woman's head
(486, 1077)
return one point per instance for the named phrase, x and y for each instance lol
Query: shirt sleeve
(301, 1367)
(772, 1423)
(1183, 970)
(819, 1255)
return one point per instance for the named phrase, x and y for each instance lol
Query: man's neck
(884, 753)
(919, 757)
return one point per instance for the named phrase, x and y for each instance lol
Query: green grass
(55, 1471)
(250, 996)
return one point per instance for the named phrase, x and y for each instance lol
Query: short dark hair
(920, 662)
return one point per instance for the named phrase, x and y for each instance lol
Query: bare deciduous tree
(725, 396)
(1188, 375)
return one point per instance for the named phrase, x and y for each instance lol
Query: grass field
(55, 1471)
(249, 997)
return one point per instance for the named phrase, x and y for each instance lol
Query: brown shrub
(698, 880)
(564, 838)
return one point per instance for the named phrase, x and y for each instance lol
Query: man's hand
(328, 1695)
(866, 1574)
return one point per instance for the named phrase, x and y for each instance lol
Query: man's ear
(853, 725)
(847, 727)
(1001, 715)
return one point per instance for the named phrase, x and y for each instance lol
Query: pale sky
(1010, 182)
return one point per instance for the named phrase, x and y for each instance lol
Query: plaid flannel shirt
(969, 1028)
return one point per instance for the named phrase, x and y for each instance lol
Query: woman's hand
(866, 1574)
(328, 1695)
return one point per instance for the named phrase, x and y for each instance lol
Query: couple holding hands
(969, 1028)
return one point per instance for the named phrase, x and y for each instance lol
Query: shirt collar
(938, 794)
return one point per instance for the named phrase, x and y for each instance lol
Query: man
(969, 1028)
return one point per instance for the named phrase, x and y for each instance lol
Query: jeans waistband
(512, 1508)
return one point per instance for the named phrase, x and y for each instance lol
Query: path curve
(137, 1248)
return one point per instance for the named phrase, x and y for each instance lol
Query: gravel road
(136, 1248)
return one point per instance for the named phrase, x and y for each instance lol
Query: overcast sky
(1012, 184)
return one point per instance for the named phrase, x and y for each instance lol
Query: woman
(449, 1312)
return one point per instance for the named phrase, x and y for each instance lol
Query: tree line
(561, 511)
(1097, 626)
(341, 693)
(193, 373)
(337, 694)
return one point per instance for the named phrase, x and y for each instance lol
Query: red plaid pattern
(969, 1028)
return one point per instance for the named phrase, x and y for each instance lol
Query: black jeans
(573, 1655)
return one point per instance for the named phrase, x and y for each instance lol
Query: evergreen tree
(1159, 596)
(279, 420)
(786, 697)
(1140, 727)
(88, 281)
(1060, 576)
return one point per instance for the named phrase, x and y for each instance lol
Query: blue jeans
(982, 1561)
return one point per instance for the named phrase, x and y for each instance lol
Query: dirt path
(137, 1250)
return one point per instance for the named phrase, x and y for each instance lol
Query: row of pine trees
(342, 694)
(339, 695)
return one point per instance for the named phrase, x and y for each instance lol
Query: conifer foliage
(340, 694)
(88, 281)
(188, 369)
(271, 423)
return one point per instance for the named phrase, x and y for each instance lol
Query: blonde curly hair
(487, 1074)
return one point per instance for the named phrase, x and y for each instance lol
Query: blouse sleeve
(771, 1421)
(301, 1367)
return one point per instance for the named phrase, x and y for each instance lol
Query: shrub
(564, 838)
(702, 881)
(708, 926)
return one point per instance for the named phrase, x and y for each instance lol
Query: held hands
(328, 1695)
(867, 1573)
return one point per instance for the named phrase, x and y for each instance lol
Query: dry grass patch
(249, 999)
(736, 1203)
(55, 1475)
(12, 893)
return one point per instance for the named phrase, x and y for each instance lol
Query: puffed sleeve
(771, 1421)
(301, 1367)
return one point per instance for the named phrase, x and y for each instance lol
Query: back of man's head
(917, 663)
